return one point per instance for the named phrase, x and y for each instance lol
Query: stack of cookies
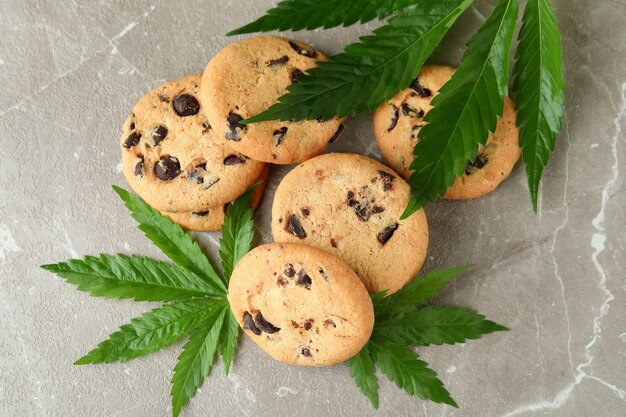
(335, 217)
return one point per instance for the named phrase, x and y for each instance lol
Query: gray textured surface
(70, 73)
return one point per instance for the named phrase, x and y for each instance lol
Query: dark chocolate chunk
(295, 74)
(167, 168)
(304, 280)
(278, 61)
(479, 162)
(158, 134)
(131, 125)
(197, 174)
(306, 352)
(308, 324)
(139, 168)
(201, 213)
(386, 234)
(295, 228)
(359, 208)
(411, 111)
(394, 119)
(264, 325)
(417, 87)
(337, 134)
(377, 209)
(388, 180)
(305, 211)
(186, 105)
(206, 127)
(289, 271)
(333, 243)
(233, 160)
(279, 135)
(248, 324)
(302, 50)
(132, 140)
(234, 127)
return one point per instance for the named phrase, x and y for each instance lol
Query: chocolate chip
(302, 50)
(131, 125)
(306, 352)
(417, 87)
(157, 135)
(279, 135)
(200, 213)
(233, 160)
(386, 234)
(139, 168)
(304, 280)
(333, 243)
(337, 134)
(323, 274)
(359, 208)
(206, 127)
(388, 180)
(411, 111)
(305, 211)
(167, 168)
(308, 324)
(248, 324)
(289, 271)
(278, 61)
(197, 174)
(479, 162)
(186, 105)
(377, 209)
(329, 322)
(163, 98)
(295, 228)
(295, 74)
(235, 128)
(264, 325)
(394, 119)
(132, 140)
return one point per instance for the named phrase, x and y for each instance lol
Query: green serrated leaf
(465, 110)
(171, 239)
(538, 88)
(237, 232)
(143, 279)
(311, 14)
(435, 326)
(152, 331)
(402, 366)
(362, 370)
(371, 71)
(195, 363)
(229, 339)
(417, 292)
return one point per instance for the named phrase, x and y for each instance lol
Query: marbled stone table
(70, 71)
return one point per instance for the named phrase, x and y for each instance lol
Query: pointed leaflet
(143, 279)
(152, 331)
(312, 14)
(417, 292)
(435, 326)
(403, 367)
(171, 239)
(539, 89)
(195, 363)
(237, 232)
(229, 339)
(362, 370)
(465, 110)
(371, 71)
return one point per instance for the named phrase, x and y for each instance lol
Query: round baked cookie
(246, 78)
(173, 159)
(212, 219)
(300, 304)
(397, 122)
(351, 205)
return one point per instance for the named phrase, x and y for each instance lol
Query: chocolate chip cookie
(398, 121)
(173, 158)
(246, 78)
(350, 205)
(300, 304)
(212, 219)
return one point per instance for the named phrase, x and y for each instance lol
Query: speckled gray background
(70, 72)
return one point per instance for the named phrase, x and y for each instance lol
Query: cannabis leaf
(171, 239)
(400, 324)
(312, 14)
(539, 89)
(371, 71)
(195, 363)
(143, 279)
(237, 233)
(465, 110)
